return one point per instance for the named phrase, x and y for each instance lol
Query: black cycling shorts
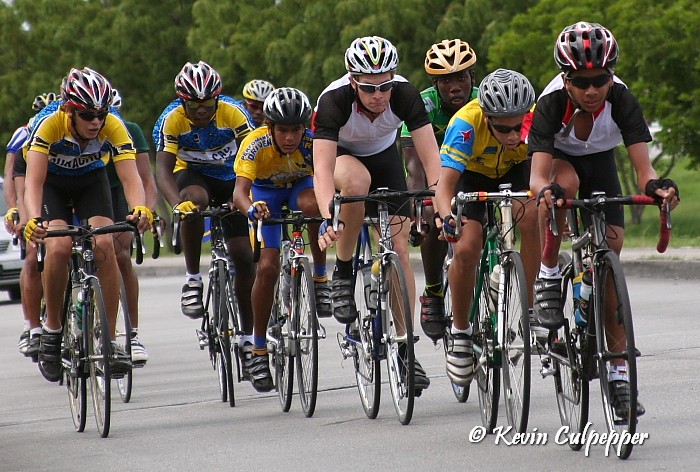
(89, 194)
(386, 170)
(219, 192)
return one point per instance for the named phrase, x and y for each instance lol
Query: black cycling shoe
(432, 316)
(343, 300)
(50, 356)
(547, 309)
(620, 399)
(258, 368)
(119, 361)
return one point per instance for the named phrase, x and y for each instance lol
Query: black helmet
(287, 106)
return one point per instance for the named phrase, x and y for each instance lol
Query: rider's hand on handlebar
(185, 207)
(142, 217)
(326, 235)
(35, 231)
(546, 194)
(258, 211)
(663, 189)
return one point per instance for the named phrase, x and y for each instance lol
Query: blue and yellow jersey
(259, 160)
(50, 135)
(210, 150)
(469, 145)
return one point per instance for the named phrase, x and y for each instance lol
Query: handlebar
(294, 218)
(596, 203)
(86, 231)
(462, 198)
(217, 212)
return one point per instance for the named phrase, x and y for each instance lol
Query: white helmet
(371, 55)
(257, 90)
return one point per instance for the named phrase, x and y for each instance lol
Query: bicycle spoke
(304, 309)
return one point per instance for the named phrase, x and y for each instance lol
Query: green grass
(686, 224)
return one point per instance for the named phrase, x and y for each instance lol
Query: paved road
(176, 421)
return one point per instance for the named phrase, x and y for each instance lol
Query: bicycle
(583, 350)
(125, 384)
(220, 330)
(294, 329)
(86, 346)
(384, 327)
(501, 328)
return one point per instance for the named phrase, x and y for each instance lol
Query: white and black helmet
(287, 106)
(116, 99)
(505, 93)
(257, 90)
(86, 89)
(371, 55)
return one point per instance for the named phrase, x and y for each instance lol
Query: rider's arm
(324, 166)
(9, 187)
(165, 164)
(428, 152)
(131, 181)
(143, 165)
(37, 165)
(241, 193)
(446, 189)
(540, 171)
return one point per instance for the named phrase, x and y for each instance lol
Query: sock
(320, 271)
(467, 331)
(35, 331)
(196, 277)
(52, 331)
(434, 289)
(343, 269)
(549, 272)
(247, 338)
(259, 351)
(617, 373)
(259, 342)
(134, 332)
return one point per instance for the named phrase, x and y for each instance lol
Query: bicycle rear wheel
(366, 362)
(616, 352)
(460, 392)
(515, 353)
(220, 317)
(98, 348)
(123, 338)
(73, 362)
(398, 332)
(566, 354)
(282, 357)
(304, 315)
(487, 374)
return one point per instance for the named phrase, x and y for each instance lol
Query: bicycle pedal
(138, 364)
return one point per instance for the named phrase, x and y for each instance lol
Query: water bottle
(493, 288)
(285, 285)
(370, 288)
(583, 300)
(78, 318)
(374, 285)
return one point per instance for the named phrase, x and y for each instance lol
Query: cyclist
(30, 279)
(254, 94)
(274, 167)
(196, 145)
(450, 64)
(122, 241)
(580, 117)
(66, 156)
(482, 149)
(355, 130)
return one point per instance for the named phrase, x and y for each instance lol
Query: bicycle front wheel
(616, 352)
(487, 373)
(366, 362)
(515, 351)
(282, 355)
(98, 349)
(305, 321)
(566, 354)
(123, 337)
(398, 333)
(222, 332)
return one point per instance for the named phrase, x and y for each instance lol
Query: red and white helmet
(198, 82)
(371, 55)
(585, 45)
(86, 89)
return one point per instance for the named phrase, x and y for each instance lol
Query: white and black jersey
(620, 119)
(339, 117)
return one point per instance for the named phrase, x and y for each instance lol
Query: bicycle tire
(487, 373)
(461, 392)
(283, 355)
(570, 384)
(73, 362)
(611, 289)
(98, 349)
(400, 356)
(517, 342)
(222, 333)
(367, 364)
(306, 329)
(124, 384)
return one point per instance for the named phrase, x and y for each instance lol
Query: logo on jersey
(467, 136)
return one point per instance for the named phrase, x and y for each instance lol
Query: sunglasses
(504, 128)
(585, 82)
(371, 88)
(195, 105)
(254, 104)
(91, 115)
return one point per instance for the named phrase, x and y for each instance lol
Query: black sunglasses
(585, 82)
(91, 115)
(504, 128)
(371, 88)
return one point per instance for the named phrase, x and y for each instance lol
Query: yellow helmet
(449, 56)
